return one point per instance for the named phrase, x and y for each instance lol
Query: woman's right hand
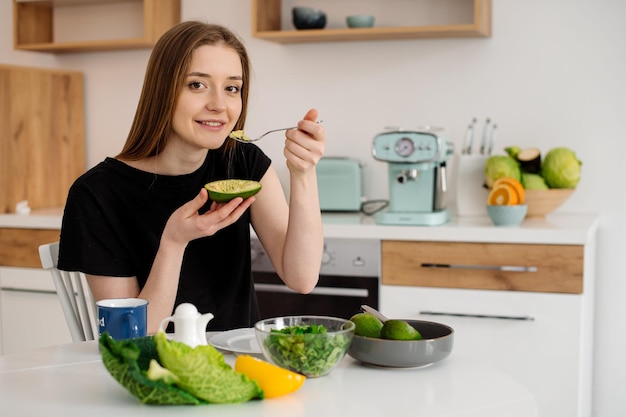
(186, 224)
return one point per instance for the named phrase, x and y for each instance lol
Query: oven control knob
(326, 258)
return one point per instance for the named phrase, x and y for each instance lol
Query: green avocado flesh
(225, 190)
(238, 134)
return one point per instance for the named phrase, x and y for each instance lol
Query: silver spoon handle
(283, 128)
(278, 130)
(380, 316)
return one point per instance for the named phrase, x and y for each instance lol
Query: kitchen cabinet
(42, 135)
(20, 246)
(91, 25)
(30, 312)
(501, 266)
(526, 309)
(449, 19)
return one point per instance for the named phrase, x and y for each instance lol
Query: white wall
(551, 75)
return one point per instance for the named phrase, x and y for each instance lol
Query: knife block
(471, 194)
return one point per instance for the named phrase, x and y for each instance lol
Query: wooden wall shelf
(266, 24)
(33, 25)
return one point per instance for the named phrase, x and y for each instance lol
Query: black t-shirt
(115, 215)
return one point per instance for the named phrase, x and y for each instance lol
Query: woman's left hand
(305, 146)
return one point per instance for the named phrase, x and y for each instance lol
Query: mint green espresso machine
(417, 177)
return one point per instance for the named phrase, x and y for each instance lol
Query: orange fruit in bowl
(502, 195)
(519, 188)
(506, 191)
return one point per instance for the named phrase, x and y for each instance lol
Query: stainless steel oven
(348, 279)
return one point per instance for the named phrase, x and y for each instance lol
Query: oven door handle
(332, 291)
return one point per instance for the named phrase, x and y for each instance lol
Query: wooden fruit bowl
(542, 202)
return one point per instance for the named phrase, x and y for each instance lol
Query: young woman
(141, 224)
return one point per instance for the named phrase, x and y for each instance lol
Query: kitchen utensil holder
(471, 194)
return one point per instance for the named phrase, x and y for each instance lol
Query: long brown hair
(165, 77)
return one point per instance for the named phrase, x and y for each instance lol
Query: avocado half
(225, 190)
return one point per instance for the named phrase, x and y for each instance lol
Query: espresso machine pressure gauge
(405, 146)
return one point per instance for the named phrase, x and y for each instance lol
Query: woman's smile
(214, 126)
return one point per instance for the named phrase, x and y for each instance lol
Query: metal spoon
(240, 136)
(380, 316)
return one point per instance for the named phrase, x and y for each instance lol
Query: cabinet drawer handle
(28, 290)
(505, 268)
(478, 316)
(336, 291)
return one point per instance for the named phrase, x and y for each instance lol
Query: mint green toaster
(339, 183)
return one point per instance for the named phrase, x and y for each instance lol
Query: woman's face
(210, 103)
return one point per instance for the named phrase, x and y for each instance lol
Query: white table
(70, 380)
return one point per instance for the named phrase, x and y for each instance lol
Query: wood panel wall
(42, 135)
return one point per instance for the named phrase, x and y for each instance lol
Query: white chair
(77, 302)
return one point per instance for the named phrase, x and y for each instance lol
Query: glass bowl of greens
(309, 345)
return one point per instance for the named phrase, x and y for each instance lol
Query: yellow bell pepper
(273, 380)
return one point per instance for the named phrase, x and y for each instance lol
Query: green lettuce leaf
(158, 373)
(203, 372)
(128, 360)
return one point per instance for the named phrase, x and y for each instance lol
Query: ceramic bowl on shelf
(290, 343)
(436, 344)
(542, 202)
(360, 21)
(308, 18)
(507, 215)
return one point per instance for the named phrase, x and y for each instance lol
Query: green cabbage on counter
(499, 166)
(160, 371)
(561, 168)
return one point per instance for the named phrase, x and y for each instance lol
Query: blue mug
(123, 318)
